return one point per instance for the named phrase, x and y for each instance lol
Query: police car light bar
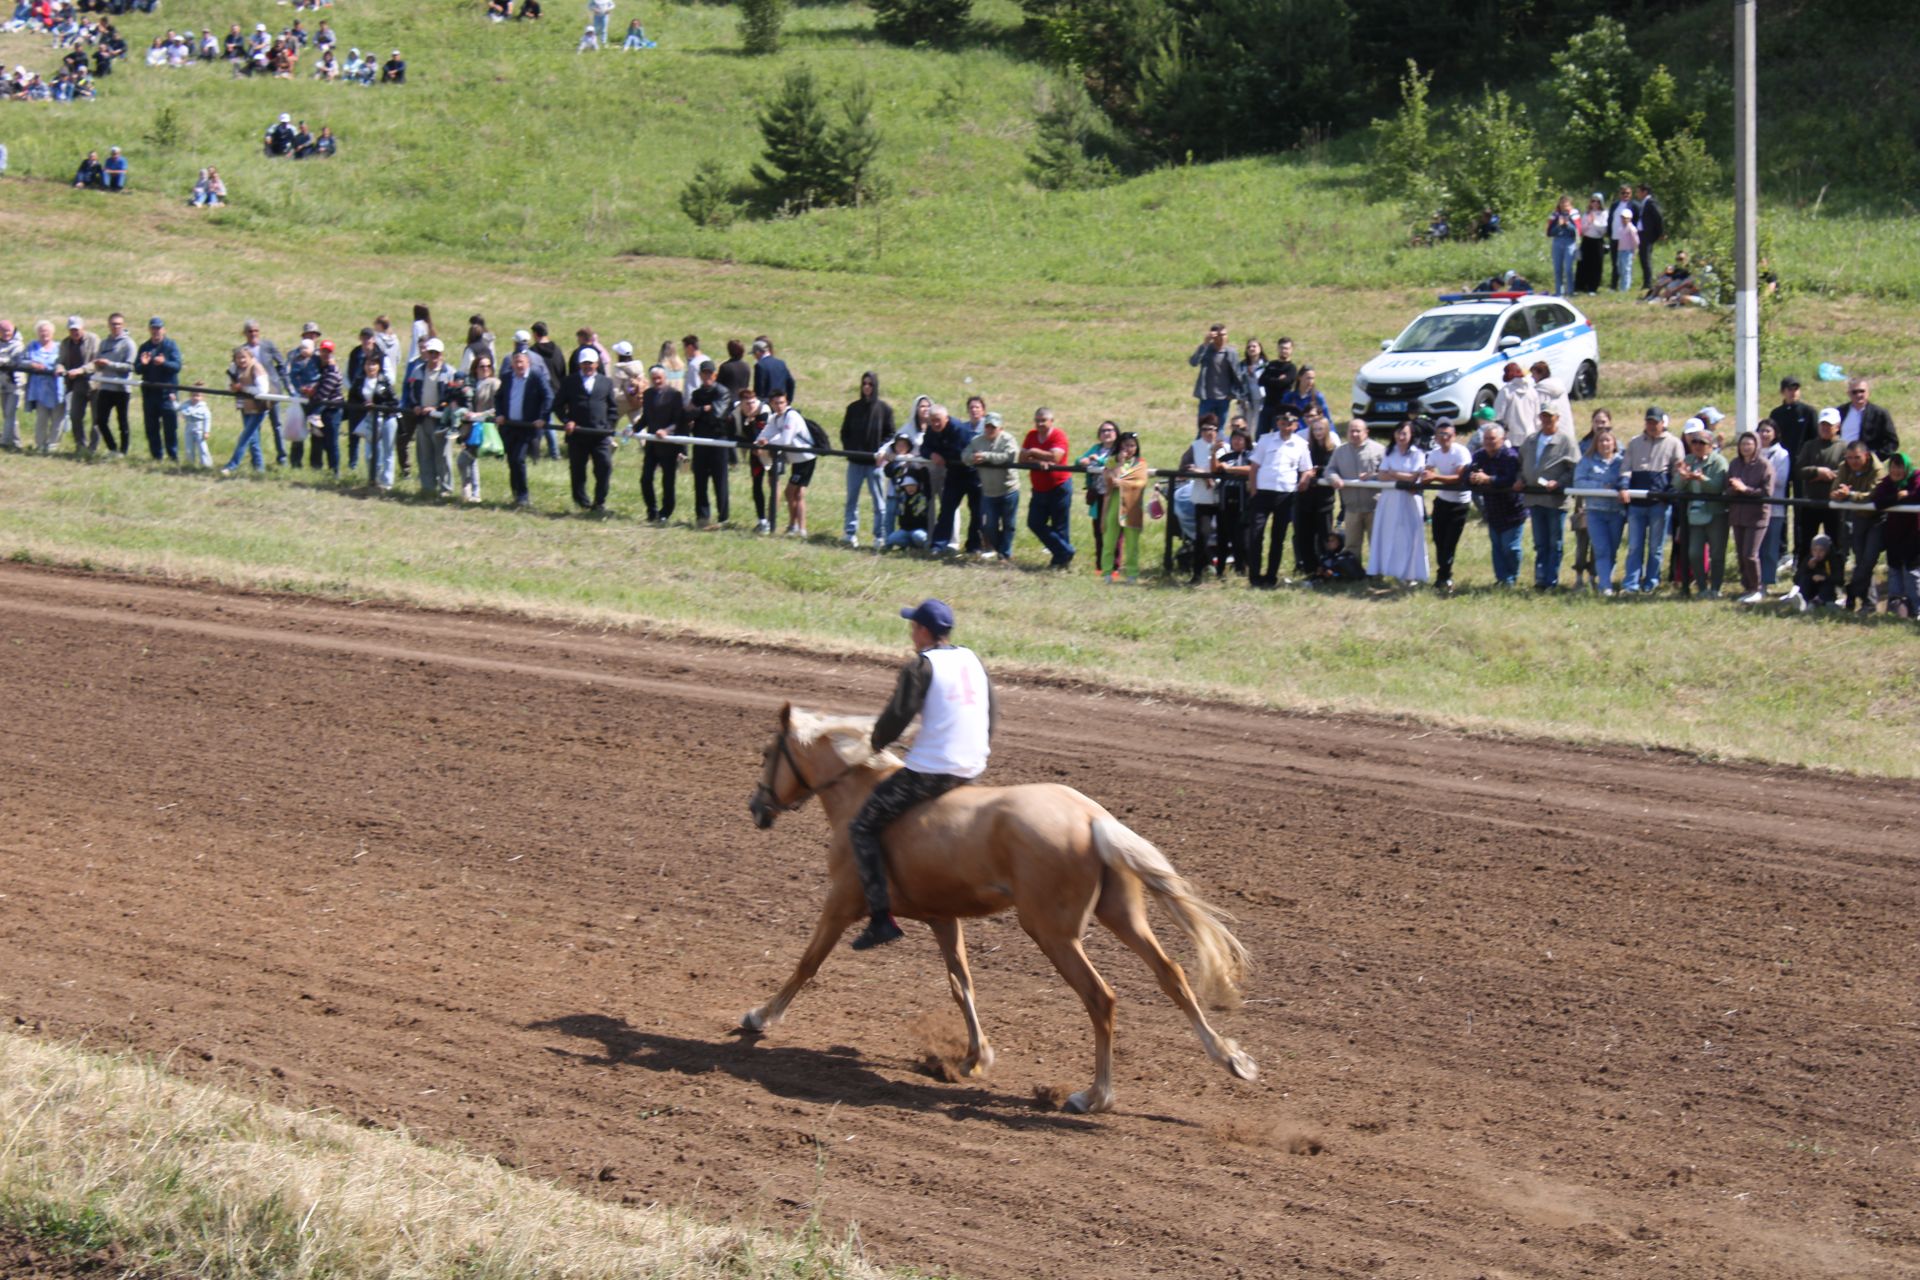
(1504, 296)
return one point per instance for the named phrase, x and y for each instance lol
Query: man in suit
(591, 416)
(1653, 229)
(662, 410)
(770, 372)
(1547, 461)
(520, 409)
(1867, 422)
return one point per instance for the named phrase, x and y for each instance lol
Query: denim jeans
(1771, 549)
(860, 475)
(1049, 516)
(1549, 543)
(1506, 553)
(907, 538)
(1220, 409)
(600, 28)
(1623, 268)
(997, 517)
(1604, 529)
(249, 442)
(1646, 534)
(380, 448)
(1565, 252)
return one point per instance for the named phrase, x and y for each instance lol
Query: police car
(1448, 362)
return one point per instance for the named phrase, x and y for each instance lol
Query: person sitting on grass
(529, 11)
(209, 190)
(394, 70)
(1669, 282)
(636, 38)
(589, 40)
(499, 10)
(325, 144)
(909, 515)
(1337, 564)
(328, 67)
(1817, 579)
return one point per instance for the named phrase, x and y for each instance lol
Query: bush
(760, 24)
(1493, 158)
(1400, 164)
(1591, 78)
(810, 161)
(708, 198)
(934, 22)
(1070, 150)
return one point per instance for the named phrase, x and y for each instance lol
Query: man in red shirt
(1051, 507)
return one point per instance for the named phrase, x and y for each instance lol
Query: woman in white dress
(1399, 547)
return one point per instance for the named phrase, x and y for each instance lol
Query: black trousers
(519, 441)
(662, 460)
(1232, 532)
(403, 442)
(1312, 522)
(894, 795)
(1645, 254)
(962, 482)
(1206, 545)
(1864, 544)
(594, 447)
(1270, 511)
(710, 471)
(116, 402)
(1449, 520)
(1808, 522)
(162, 422)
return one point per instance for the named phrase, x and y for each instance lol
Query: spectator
(1861, 419)
(1305, 400)
(1653, 461)
(1358, 458)
(1749, 475)
(909, 514)
(1495, 472)
(303, 143)
(1253, 363)
(380, 408)
(326, 66)
(13, 385)
(1855, 481)
(499, 10)
(1552, 394)
(1563, 238)
(197, 419)
(113, 362)
(661, 409)
(1652, 225)
(585, 338)
(589, 42)
(636, 38)
(208, 191)
(1313, 507)
(1593, 245)
(1447, 464)
(1674, 283)
(394, 70)
(279, 136)
(158, 363)
(548, 352)
(479, 344)
(1582, 543)
(1276, 380)
(1234, 468)
(591, 419)
(896, 461)
(748, 422)
(77, 353)
(324, 398)
(1782, 464)
(1281, 465)
(598, 14)
(1516, 406)
(1900, 530)
(785, 426)
(770, 372)
(1817, 581)
(947, 441)
(46, 388)
(1547, 461)
(529, 11)
(1623, 234)
(1604, 466)
(1220, 376)
(1400, 515)
(1200, 458)
(91, 174)
(707, 419)
(250, 382)
(735, 374)
(1050, 510)
(629, 379)
(865, 428)
(1095, 461)
(323, 37)
(991, 453)
(1125, 508)
(1817, 464)
(1335, 563)
(1704, 472)
(1794, 422)
(355, 415)
(521, 406)
(424, 394)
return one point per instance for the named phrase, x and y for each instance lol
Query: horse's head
(782, 785)
(808, 755)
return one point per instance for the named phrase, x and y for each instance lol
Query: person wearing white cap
(394, 70)
(279, 136)
(629, 378)
(77, 352)
(422, 396)
(591, 416)
(1816, 466)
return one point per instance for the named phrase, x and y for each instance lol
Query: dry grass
(186, 1178)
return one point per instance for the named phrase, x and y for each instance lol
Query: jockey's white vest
(953, 723)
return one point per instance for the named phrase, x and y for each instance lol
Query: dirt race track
(1614, 1015)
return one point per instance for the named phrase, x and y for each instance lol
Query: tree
(760, 24)
(708, 198)
(1493, 159)
(1070, 152)
(1672, 157)
(1592, 78)
(1400, 165)
(811, 161)
(934, 22)
(855, 142)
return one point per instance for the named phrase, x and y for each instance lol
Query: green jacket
(1715, 468)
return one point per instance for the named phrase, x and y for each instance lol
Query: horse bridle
(799, 775)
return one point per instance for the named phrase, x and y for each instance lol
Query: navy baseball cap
(932, 614)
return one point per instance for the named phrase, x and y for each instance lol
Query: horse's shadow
(829, 1077)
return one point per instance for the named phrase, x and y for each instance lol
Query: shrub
(1400, 164)
(1493, 158)
(1591, 76)
(760, 24)
(708, 198)
(811, 161)
(933, 22)
(1070, 151)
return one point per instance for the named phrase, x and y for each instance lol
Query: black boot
(880, 930)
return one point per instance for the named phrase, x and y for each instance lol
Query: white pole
(1746, 301)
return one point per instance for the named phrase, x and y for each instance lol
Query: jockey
(948, 689)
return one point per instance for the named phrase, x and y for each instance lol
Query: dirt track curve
(1616, 1015)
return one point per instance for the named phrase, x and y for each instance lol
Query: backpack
(817, 434)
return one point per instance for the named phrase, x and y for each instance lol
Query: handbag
(1156, 507)
(293, 422)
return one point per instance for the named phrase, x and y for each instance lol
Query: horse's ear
(786, 715)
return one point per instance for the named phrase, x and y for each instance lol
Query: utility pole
(1746, 301)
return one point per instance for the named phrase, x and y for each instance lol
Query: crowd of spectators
(1648, 509)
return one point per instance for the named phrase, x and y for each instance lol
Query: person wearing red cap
(324, 401)
(947, 688)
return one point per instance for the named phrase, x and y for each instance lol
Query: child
(588, 40)
(909, 515)
(196, 424)
(1337, 564)
(1125, 509)
(469, 430)
(636, 38)
(896, 463)
(1818, 580)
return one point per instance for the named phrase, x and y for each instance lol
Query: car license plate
(1390, 406)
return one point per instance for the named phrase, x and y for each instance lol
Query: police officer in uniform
(948, 689)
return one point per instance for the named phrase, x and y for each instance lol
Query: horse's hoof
(754, 1021)
(1085, 1103)
(980, 1065)
(1241, 1065)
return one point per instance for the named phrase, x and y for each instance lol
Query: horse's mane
(851, 736)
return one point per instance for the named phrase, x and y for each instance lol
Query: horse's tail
(1222, 958)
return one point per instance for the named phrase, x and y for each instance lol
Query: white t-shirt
(1200, 456)
(953, 723)
(1445, 461)
(1782, 465)
(788, 428)
(1850, 425)
(1278, 463)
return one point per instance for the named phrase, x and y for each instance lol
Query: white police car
(1448, 362)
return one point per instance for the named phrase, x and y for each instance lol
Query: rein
(799, 775)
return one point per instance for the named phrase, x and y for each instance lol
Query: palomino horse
(1045, 850)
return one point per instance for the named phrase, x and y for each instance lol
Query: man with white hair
(591, 416)
(46, 389)
(423, 399)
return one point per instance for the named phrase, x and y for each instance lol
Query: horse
(1045, 850)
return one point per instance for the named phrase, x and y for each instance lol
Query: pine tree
(935, 22)
(856, 141)
(811, 161)
(708, 198)
(1067, 150)
(760, 24)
